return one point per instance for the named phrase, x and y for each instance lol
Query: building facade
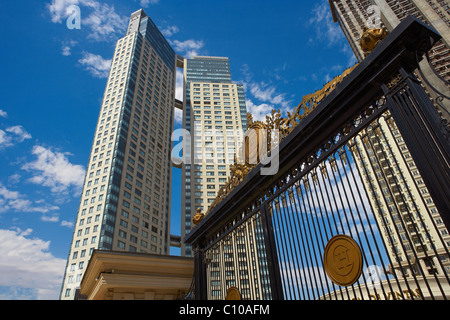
(125, 201)
(416, 238)
(396, 189)
(355, 16)
(215, 117)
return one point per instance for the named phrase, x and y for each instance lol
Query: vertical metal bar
(301, 242)
(200, 277)
(419, 125)
(284, 238)
(339, 227)
(377, 157)
(372, 190)
(293, 251)
(345, 215)
(272, 256)
(307, 241)
(329, 212)
(318, 261)
(353, 215)
(419, 216)
(353, 144)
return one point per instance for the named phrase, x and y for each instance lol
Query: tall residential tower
(215, 115)
(125, 202)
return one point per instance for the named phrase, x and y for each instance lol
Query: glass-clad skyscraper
(125, 201)
(215, 115)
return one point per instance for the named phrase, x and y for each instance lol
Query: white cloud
(266, 94)
(188, 48)
(52, 218)
(101, 19)
(65, 223)
(96, 64)
(169, 31)
(14, 200)
(146, 3)
(66, 51)
(53, 169)
(67, 47)
(28, 267)
(325, 29)
(5, 140)
(20, 132)
(259, 111)
(12, 135)
(3, 114)
(58, 9)
(104, 22)
(179, 85)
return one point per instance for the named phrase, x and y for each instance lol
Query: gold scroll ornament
(343, 260)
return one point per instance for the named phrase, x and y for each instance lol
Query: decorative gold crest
(342, 260)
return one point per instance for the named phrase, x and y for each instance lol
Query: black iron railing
(366, 172)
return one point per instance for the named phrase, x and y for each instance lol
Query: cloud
(27, 269)
(101, 20)
(20, 133)
(13, 135)
(146, 3)
(66, 51)
(265, 93)
(169, 31)
(96, 64)
(15, 201)
(188, 48)
(67, 47)
(325, 29)
(53, 169)
(68, 224)
(58, 9)
(3, 114)
(104, 22)
(259, 111)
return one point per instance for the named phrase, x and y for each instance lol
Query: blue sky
(52, 82)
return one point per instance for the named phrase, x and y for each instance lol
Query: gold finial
(371, 38)
(198, 217)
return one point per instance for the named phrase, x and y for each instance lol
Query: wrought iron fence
(359, 208)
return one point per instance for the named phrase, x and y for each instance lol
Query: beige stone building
(215, 116)
(116, 275)
(355, 16)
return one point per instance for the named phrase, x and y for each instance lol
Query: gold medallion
(342, 260)
(233, 294)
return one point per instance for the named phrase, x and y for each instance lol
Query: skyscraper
(125, 201)
(214, 114)
(354, 16)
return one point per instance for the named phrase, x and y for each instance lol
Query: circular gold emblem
(342, 260)
(233, 294)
